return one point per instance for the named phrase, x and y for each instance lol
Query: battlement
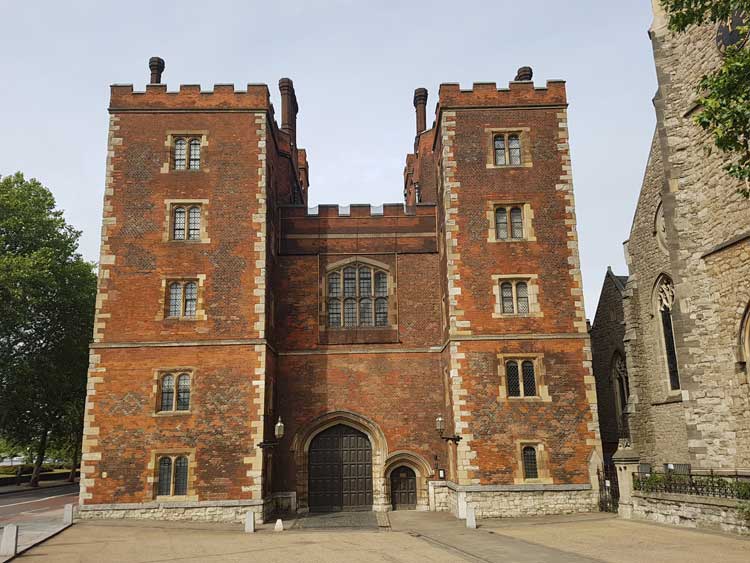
(518, 93)
(189, 97)
(358, 229)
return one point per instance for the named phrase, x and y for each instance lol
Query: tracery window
(507, 148)
(357, 296)
(523, 383)
(182, 299)
(530, 464)
(186, 222)
(173, 476)
(665, 303)
(171, 401)
(186, 153)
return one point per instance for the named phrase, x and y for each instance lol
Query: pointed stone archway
(301, 451)
(421, 469)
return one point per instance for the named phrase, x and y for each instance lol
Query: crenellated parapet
(358, 229)
(520, 93)
(189, 97)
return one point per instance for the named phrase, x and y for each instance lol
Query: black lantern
(440, 427)
(278, 430)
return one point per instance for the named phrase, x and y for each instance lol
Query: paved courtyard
(413, 536)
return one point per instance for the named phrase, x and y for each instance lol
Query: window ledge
(669, 399)
(178, 241)
(508, 166)
(161, 414)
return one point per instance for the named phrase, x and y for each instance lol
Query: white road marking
(38, 500)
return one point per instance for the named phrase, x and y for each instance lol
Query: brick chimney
(289, 109)
(420, 104)
(156, 65)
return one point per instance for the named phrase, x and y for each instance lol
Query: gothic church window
(357, 296)
(665, 303)
(186, 153)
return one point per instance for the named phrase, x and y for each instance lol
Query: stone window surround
(660, 227)
(156, 390)
(532, 282)
(392, 308)
(169, 206)
(614, 376)
(540, 375)
(153, 479)
(200, 312)
(172, 135)
(542, 463)
(524, 136)
(670, 395)
(743, 349)
(527, 214)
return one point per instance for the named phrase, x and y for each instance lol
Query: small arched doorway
(403, 488)
(340, 470)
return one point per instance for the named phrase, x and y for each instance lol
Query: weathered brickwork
(702, 245)
(261, 346)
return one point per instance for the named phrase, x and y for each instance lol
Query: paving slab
(334, 520)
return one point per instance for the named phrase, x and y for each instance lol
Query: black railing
(708, 484)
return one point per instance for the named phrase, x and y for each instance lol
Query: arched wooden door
(403, 488)
(340, 470)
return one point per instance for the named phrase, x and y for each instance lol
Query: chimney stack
(420, 104)
(289, 109)
(524, 74)
(156, 64)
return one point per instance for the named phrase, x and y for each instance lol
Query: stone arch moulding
(301, 446)
(421, 469)
(743, 342)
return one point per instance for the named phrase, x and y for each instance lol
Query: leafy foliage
(724, 93)
(47, 294)
(684, 13)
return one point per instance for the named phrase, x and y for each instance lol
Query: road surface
(31, 505)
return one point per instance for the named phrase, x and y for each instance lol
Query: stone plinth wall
(691, 511)
(224, 512)
(510, 501)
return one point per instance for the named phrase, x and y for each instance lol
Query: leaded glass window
(357, 284)
(165, 476)
(512, 380)
(529, 379)
(516, 223)
(350, 313)
(506, 294)
(195, 154)
(194, 223)
(530, 466)
(183, 392)
(522, 297)
(191, 298)
(514, 150)
(501, 223)
(178, 224)
(500, 150)
(180, 475)
(381, 312)
(175, 299)
(167, 393)
(180, 154)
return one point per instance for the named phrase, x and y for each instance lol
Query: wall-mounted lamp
(440, 427)
(278, 430)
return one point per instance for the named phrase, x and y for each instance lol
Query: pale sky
(355, 66)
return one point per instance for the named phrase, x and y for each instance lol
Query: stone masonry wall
(691, 512)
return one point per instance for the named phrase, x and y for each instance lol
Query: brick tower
(428, 355)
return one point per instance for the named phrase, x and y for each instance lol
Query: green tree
(724, 93)
(47, 294)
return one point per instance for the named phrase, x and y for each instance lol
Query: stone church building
(254, 354)
(686, 305)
